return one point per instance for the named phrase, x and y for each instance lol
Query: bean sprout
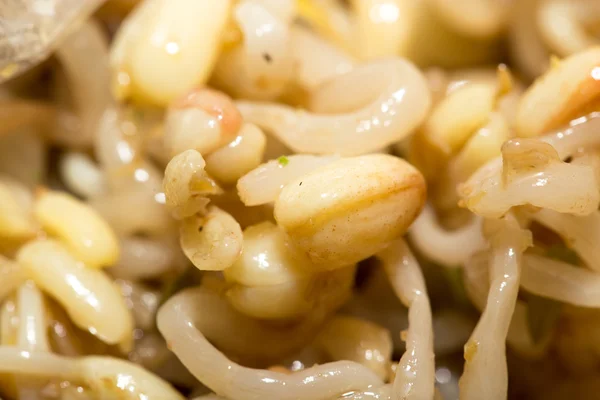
(485, 372)
(176, 323)
(388, 116)
(414, 379)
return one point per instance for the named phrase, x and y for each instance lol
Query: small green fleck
(283, 161)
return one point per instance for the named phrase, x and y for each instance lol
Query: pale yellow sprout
(485, 373)
(88, 295)
(484, 145)
(131, 381)
(527, 48)
(263, 184)
(459, 115)
(81, 175)
(166, 48)
(415, 371)
(143, 258)
(395, 102)
(270, 280)
(32, 334)
(412, 29)
(261, 66)
(348, 338)
(211, 241)
(32, 319)
(208, 122)
(376, 19)
(519, 338)
(131, 27)
(589, 157)
(562, 27)
(177, 321)
(135, 210)
(137, 382)
(580, 133)
(432, 41)
(118, 144)
(561, 281)
(439, 82)
(383, 392)
(326, 98)
(509, 88)
(11, 276)
(134, 202)
(316, 59)
(24, 196)
(465, 129)
(580, 233)
(16, 220)
(531, 173)
(247, 149)
(187, 185)
(350, 209)
(267, 259)
(478, 18)
(286, 10)
(203, 120)
(329, 19)
(283, 301)
(84, 57)
(79, 226)
(321, 293)
(450, 248)
(576, 78)
(271, 341)
(9, 330)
